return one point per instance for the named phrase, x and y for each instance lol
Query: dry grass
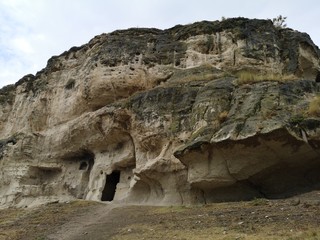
(259, 202)
(145, 231)
(249, 77)
(35, 223)
(200, 77)
(169, 231)
(254, 221)
(314, 107)
(222, 117)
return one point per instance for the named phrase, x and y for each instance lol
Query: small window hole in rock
(84, 166)
(71, 84)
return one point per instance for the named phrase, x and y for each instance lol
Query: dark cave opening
(318, 77)
(110, 186)
(83, 166)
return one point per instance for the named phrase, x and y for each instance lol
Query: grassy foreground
(257, 219)
(37, 223)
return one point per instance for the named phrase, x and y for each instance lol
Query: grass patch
(314, 107)
(222, 117)
(36, 223)
(259, 202)
(170, 209)
(204, 72)
(251, 220)
(170, 230)
(200, 77)
(297, 119)
(249, 77)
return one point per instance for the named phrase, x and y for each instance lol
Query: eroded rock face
(160, 117)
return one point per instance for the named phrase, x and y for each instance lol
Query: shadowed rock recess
(155, 116)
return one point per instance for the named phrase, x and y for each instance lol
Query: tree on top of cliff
(279, 22)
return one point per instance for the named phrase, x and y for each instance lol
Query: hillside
(206, 112)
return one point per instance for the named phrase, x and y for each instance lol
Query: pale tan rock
(151, 116)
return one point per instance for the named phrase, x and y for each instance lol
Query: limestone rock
(161, 117)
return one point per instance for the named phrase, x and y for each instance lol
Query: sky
(31, 31)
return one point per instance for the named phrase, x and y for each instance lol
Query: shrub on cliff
(314, 107)
(279, 22)
(246, 77)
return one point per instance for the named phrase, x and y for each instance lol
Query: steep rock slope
(165, 117)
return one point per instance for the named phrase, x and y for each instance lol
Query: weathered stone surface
(160, 117)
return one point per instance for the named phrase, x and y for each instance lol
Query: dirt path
(79, 226)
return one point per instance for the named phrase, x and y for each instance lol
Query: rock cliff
(211, 111)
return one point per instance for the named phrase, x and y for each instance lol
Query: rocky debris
(162, 117)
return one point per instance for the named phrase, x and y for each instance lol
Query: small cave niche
(84, 158)
(70, 84)
(78, 165)
(110, 186)
(84, 166)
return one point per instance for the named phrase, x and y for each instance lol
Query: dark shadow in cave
(277, 182)
(318, 77)
(110, 186)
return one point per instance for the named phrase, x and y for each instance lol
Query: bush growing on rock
(279, 22)
(246, 77)
(314, 107)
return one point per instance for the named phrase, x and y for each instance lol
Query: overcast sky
(31, 31)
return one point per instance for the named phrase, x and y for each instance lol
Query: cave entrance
(318, 77)
(110, 186)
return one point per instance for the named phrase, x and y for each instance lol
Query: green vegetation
(297, 119)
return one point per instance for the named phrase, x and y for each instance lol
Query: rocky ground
(294, 218)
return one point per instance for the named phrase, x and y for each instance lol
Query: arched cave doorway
(110, 186)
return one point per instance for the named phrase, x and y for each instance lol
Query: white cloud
(21, 44)
(32, 31)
